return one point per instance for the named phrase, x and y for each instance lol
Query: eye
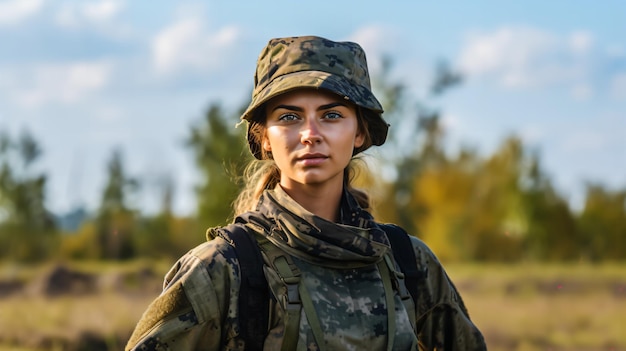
(333, 115)
(287, 117)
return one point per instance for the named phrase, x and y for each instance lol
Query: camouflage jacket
(198, 308)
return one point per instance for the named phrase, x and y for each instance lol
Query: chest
(350, 308)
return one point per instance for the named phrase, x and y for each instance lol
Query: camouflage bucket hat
(287, 64)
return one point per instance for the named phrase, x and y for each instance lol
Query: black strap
(404, 255)
(254, 292)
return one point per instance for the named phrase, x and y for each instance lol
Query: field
(538, 307)
(93, 307)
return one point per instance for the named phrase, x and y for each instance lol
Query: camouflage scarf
(356, 242)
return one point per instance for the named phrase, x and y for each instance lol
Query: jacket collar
(355, 241)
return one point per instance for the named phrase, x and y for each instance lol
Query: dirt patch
(10, 287)
(61, 280)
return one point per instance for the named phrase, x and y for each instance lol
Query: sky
(91, 76)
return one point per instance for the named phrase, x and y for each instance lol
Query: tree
(220, 154)
(116, 221)
(415, 142)
(552, 232)
(27, 228)
(603, 224)
(164, 234)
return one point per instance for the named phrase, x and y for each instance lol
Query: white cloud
(603, 133)
(618, 86)
(588, 140)
(15, 11)
(189, 45)
(582, 92)
(616, 51)
(375, 38)
(65, 83)
(103, 10)
(74, 15)
(526, 57)
(532, 134)
(377, 41)
(451, 123)
(580, 42)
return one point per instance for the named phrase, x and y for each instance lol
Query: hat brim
(357, 94)
(354, 93)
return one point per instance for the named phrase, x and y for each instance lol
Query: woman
(334, 281)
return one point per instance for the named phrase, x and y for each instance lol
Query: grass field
(547, 307)
(521, 307)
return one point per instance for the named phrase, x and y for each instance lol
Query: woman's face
(311, 135)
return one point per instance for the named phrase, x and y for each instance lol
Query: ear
(359, 139)
(265, 143)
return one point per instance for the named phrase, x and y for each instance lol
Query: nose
(310, 133)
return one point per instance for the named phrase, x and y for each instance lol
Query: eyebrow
(300, 109)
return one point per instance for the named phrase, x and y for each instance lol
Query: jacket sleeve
(187, 315)
(443, 322)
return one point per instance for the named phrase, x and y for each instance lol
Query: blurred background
(507, 154)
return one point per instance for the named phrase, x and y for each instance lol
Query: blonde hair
(263, 174)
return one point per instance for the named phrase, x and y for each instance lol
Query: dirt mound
(10, 287)
(61, 280)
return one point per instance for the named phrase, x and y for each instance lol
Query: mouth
(312, 159)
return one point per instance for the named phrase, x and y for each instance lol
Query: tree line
(500, 207)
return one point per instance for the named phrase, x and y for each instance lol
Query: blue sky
(86, 77)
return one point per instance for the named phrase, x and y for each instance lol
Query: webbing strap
(292, 304)
(253, 293)
(398, 280)
(384, 269)
(404, 256)
(297, 298)
(311, 315)
(409, 306)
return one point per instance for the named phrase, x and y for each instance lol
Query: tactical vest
(254, 252)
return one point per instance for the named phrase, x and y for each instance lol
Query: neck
(323, 200)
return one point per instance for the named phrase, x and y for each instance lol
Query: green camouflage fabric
(198, 307)
(338, 267)
(291, 63)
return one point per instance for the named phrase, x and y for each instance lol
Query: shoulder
(423, 253)
(400, 239)
(213, 256)
(428, 265)
(209, 275)
(215, 249)
(197, 290)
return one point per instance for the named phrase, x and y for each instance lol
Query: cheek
(274, 139)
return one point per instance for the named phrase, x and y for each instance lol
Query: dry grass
(547, 307)
(40, 322)
(523, 308)
(31, 321)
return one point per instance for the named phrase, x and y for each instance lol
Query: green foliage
(116, 222)
(82, 245)
(166, 236)
(603, 224)
(27, 231)
(220, 153)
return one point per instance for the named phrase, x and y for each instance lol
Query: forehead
(308, 96)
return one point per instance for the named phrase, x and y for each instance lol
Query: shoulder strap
(292, 297)
(253, 293)
(404, 255)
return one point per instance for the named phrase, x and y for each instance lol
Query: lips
(312, 159)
